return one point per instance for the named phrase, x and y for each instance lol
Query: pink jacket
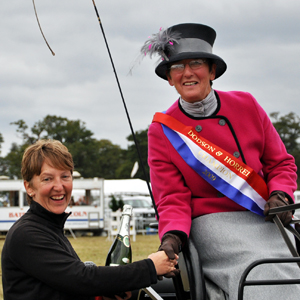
(241, 127)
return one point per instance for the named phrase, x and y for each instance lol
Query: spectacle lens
(194, 65)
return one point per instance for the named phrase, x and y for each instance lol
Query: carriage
(190, 284)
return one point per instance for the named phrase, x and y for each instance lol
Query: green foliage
(92, 158)
(116, 203)
(1, 141)
(131, 156)
(12, 161)
(108, 158)
(72, 133)
(288, 128)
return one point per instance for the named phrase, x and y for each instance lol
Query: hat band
(191, 45)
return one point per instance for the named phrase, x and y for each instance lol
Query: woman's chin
(57, 207)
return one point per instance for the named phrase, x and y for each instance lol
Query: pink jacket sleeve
(169, 185)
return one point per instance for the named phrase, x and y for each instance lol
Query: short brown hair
(52, 151)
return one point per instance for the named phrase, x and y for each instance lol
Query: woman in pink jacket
(217, 166)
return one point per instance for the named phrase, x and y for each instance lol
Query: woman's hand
(171, 244)
(277, 199)
(162, 263)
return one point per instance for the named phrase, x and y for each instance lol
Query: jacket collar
(58, 220)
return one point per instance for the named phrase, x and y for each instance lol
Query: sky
(258, 39)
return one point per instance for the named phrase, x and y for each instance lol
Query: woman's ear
(28, 188)
(213, 72)
(170, 80)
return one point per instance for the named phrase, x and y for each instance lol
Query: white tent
(125, 187)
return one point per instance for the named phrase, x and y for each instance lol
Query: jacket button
(236, 154)
(198, 128)
(220, 195)
(222, 122)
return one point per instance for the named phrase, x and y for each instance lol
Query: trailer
(84, 216)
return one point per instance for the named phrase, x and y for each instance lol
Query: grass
(95, 249)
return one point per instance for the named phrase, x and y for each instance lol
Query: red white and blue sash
(222, 170)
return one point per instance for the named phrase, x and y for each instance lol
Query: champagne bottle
(120, 250)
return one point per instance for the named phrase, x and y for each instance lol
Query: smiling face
(192, 85)
(52, 189)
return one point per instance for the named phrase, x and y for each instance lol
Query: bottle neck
(125, 225)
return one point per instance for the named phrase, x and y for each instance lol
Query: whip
(122, 97)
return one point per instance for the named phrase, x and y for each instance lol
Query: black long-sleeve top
(38, 262)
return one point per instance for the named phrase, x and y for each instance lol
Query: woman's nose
(187, 69)
(58, 184)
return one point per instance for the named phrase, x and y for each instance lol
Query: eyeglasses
(194, 65)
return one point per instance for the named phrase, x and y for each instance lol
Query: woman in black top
(38, 261)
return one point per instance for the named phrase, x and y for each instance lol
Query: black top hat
(194, 41)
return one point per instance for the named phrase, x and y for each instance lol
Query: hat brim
(162, 69)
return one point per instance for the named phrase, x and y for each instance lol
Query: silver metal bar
(151, 293)
(286, 237)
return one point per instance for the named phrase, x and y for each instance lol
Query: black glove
(277, 199)
(171, 244)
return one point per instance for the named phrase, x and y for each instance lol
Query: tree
(131, 156)
(1, 141)
(92, 158)
(288, 128)
(72, 133)
(56, 128)
(22, 127)
(115, 203)
(3, 163)
(12, 161)
(107, 158)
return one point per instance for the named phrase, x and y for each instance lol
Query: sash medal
(222, 170)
